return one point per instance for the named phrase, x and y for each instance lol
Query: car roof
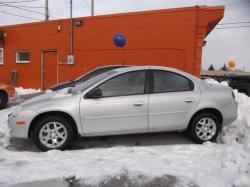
(110, 66)
(135, 68)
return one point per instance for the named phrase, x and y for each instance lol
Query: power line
(236, 5)
(19, 15)
(231, 23)
(46, 10)
(22, 8)
(24, 1)
(233, 27)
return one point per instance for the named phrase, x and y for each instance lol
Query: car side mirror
(94, 94)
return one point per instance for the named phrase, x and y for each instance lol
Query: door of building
(49, 68)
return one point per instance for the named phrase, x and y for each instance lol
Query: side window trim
(152, 82)
(145, 85)
(147, 82)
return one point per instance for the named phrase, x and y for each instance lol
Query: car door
(122, 108)
(172, 99)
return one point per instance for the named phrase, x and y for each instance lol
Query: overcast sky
(222, 46)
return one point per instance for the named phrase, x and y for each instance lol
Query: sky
(223, 45)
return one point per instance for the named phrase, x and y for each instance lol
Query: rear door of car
(173, 97)
(123, 107)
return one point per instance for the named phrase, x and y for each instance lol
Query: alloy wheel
(206, 128)
(53, 135)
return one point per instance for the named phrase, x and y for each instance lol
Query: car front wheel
(53, 132)
(205, 127)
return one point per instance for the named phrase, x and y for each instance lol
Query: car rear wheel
(3, 99)
(205, 127)
(53, 132)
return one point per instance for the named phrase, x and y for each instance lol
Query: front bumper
(20, 130)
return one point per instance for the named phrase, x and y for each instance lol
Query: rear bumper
(230, 114)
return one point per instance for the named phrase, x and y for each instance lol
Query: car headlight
(16, 111)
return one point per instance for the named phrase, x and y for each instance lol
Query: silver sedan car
(141, 99)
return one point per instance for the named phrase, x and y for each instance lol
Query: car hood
(63, 85)
(47, 96)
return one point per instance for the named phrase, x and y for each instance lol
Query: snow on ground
(207, 165)
(4, 129)
(21, 91)
(226, 163)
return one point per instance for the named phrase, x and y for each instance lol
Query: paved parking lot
(170, 138)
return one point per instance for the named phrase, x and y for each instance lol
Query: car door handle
(189, 101)
(138, 104)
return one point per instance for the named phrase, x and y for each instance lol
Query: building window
(22, 57)
(1, 56)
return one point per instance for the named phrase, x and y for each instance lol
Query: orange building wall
(171, 37)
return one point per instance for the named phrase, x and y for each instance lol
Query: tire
(3, 99)
(206, 132)
(47, 137)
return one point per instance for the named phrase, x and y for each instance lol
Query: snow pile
(21, 91)
(48, 91)
(4, 129)
(212, 81)
(238, 131)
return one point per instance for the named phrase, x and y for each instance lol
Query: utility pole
(71, 30)
(92, 7)
(46, 10)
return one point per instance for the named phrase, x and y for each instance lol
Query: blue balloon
(119, 40)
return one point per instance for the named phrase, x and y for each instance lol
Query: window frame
(146, 85)
(24, 61)
(2, 62)
(152, 90)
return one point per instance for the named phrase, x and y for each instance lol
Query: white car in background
(141, 99)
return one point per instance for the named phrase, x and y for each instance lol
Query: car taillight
(233, 94)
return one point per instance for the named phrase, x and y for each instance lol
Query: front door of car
(121, 107)
(173, 99)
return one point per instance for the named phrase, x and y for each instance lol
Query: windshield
(93, 80)
(93, 73)
(84, 77)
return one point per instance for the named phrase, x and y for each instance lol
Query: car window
(165, 81)
(94, 73)
(90, 75)
(132, 83)
(84, 85)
